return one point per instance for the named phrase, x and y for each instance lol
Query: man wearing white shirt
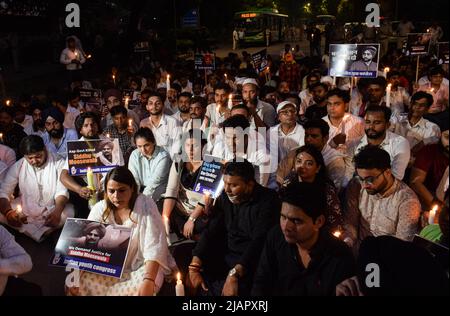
(399, 97)
(43, 197)
(287, 135)
(377, 135)
(184, 105)
(239, 141)
(346, 130)
(165, 128)
(263, 114)
(414, 127)
(72, 57)
(71, 109)
(306, 95)
(7, 155)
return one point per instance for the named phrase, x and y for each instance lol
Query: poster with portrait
(442, 53)
(93, 247)
(259, 60)
(418, 44)
(205, 61)
(354, 60)
(101, 155)
(92, 99)
(210, 178)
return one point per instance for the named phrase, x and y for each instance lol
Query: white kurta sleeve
(11, 180)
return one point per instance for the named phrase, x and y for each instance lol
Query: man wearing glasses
(384, 205)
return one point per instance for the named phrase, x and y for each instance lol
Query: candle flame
(107, 135)
(389, 85)
(179, 276)
(89, 169)
(19, 208)
(337, 234)
(89, 56)
(168, 77)
(8, 102)
(387, 69)
(435, 208)
(432, 90)
(130, 122)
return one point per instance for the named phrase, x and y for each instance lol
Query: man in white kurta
(42, 204)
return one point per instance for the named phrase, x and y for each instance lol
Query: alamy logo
(373, 278)
(373, 19)
(73, 18)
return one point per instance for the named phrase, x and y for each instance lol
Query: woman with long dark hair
(309, 168)
(148, 258)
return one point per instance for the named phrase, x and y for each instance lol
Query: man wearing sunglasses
(384, 205)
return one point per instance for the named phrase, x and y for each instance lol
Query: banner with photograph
(210, 177)
(93, 247)
(92, 99)
(354, 60)
(100, 155)
(418, 44)
(205, 61)
(259, 60)
(442, 53)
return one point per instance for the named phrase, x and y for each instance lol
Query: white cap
(161, 85)
(239, 80)
(250, 81)
(327, 80)
(283, 104)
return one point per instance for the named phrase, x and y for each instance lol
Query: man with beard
(429, 167)
(300, 257)
(93, 233)
(12, 133)
(374, 93)
(184, 104)
(43, 199)
(225, 258)
(88, 128)
(120, 129)
(56, 135)
(384, 205)
(218, 112)
(319, 108)
(263, 114)
(378, 135)
(165, 128)
(197, 112)
(367, 62)
(141, 109)
(38, 127)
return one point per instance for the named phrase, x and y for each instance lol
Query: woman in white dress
(149, 259)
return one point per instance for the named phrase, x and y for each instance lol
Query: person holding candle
(300, 257)
(43, 197)
(383, 205)
(414, 127)
(374, 94)
(438, 90)
(148, 260)
(182, 206)
(72, 58)
(121, 129)
(218, 112)
(429, 167)
(263, 114)
(399, 97)
(113, 98)
(225, 258)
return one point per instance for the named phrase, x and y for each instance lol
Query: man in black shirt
(299, 257)
(225, 259)
(319, 109)
(12, 133)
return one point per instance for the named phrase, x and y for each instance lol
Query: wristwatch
(192, 219)
(233, 273)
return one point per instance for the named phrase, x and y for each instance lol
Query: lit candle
(179, 288)
(386, 71)
(108, 136)
(334, 82)
(168, 83)
(230, 101)
(388, 95)
(89, 56)
(127, 99)
(130, 123)
(337, 234)
(1, 137)
(226, 77)
(114, 79)
(432, 214)
(19, 209)
(90, 178)
(8, 102)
